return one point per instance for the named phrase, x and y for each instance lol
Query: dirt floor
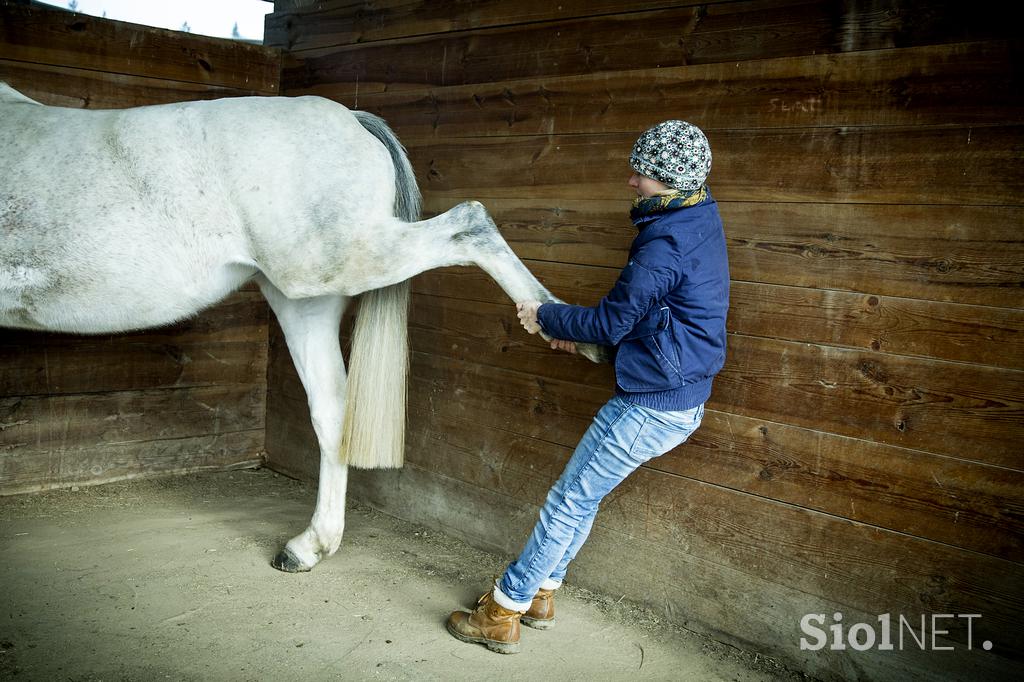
(170, 579)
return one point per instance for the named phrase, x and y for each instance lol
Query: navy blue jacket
(666, 313)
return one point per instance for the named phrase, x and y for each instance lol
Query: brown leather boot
(489, 624)
(541, 614)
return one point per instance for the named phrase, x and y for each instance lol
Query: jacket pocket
(656, 320)
(648, 363)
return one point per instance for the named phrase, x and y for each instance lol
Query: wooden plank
(964, 254)
(291, 443)
(915, 165)
(116, 365)
(59, 38)
(716, 33)
(241, 316)
(87, 89)
(57, 425)
(304, 25)
(489, 333)
(46, 438)
(110, 462)
(966, 411)
(899, 326)
(958, 84)
(948, 500)
(963, 411)
(224, 345)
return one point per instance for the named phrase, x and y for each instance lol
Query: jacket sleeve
(638, 288)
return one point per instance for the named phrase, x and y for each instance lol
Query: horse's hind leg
(311, 328)
(466, 235)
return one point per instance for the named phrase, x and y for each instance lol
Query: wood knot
(873, 372)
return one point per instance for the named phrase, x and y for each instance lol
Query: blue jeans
(622, 437)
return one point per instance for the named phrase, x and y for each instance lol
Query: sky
(207, 17)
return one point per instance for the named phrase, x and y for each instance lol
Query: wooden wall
(862, 450)
(79, 410)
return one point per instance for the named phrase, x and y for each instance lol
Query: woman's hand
(562, 344)
(527, 312)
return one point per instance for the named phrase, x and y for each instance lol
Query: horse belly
(137, 231)
(110, 302)
(114, 263)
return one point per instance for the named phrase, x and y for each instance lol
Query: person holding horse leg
(665, 317)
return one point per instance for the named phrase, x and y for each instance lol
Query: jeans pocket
(664, 431)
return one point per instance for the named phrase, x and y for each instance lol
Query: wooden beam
(897, 165)
(224, 345)
(956, 84)
(963, 254)
(897, 326)
(306, 24)
(725, 32)
(108, 462)
(58, 38)
(88, 89)
(51, 441)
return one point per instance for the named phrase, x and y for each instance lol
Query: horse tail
(375, 398)
(407, 193)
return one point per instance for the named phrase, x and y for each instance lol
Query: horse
(125, 219)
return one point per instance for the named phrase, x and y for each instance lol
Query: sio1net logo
(863, 636)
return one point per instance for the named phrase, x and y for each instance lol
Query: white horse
(126, 219)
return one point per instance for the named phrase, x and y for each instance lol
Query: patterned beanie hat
(674, 152)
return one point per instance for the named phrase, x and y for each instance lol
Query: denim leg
(667, 434)
(600, 462)
(582, 533)
(622, 437)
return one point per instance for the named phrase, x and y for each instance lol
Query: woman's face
(646, 187)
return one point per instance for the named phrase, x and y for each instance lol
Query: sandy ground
(170, 579)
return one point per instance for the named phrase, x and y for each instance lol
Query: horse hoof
(594, 353)
(286, 561)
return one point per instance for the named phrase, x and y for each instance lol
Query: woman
(665, 317)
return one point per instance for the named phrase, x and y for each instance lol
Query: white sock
(550, 584)
(506, 602)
